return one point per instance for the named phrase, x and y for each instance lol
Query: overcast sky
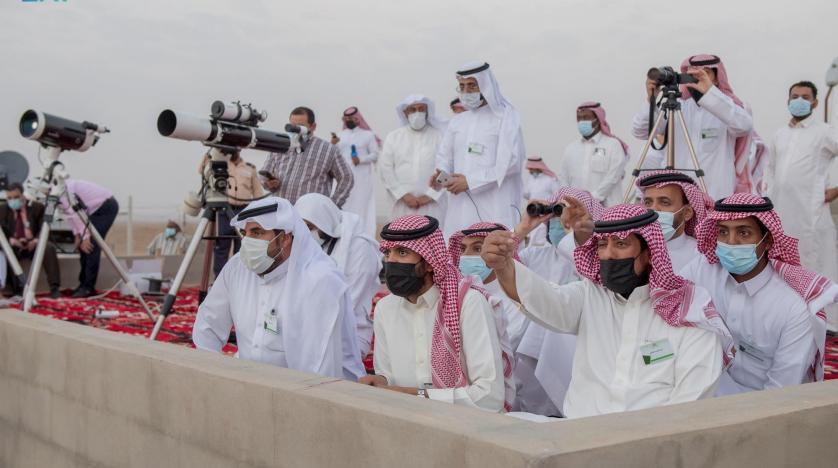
(120, 63)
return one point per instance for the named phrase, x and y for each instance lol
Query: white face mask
(254, 254)
(471, 101)
(417, 120)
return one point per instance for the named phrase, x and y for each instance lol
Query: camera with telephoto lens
(667, 76)
(536, 210)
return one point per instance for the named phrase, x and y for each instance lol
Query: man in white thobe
(633, 351)
(595, 162)
(269, 291)
(360, 146)
(355, 252)
(715, 119)
(797, 182)
(408, 159)
(482, 154)
(435, 336)
(751, 268)
(680, 205)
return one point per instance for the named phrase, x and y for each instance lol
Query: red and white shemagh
(672, 296)
(700, 202)
(816, 290)
(455, 243)
(446, 342)
(593, 206)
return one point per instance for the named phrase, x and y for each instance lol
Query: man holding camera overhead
(719, 126)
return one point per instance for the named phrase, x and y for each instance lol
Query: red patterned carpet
(178, 326)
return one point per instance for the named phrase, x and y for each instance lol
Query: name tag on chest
(271, 322)
(476, 148)
(656, 351)
(708, 133)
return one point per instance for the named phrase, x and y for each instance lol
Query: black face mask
(618, 275)
(402, 279)
(351, 124)
(696, 94)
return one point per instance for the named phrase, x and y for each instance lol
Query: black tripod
(670, 109)
(214, 201)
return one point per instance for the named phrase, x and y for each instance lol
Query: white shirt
(360, 200)
(713, 127)
(802, 154)
(407, 161)
(516, 323)
(540, 187)
(469, 147)
(682, 250)
(403, 333)
(609, 374)
(768, 319)
(246, 300)
(553, 263)
(596, 164)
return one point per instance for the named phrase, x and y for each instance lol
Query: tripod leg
(35, 269)
(208, 259)
(12, 258)
(643, 154)
(698, 171)
(118, 266)
(169, 302)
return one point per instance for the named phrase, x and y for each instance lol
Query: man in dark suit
(22, 224)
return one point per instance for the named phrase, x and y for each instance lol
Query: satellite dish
(832, 74)
(13, 168)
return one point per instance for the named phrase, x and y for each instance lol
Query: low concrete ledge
(76, 396)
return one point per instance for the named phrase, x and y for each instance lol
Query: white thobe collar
(276, 275)
(426, 300)
(640, 294)
(678, 242)
(755, 284)
(805, 123)
(594, 139)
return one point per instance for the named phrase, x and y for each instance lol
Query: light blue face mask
(474, 265)
(738, 259)
(15, 203)
(586, 127)
(800, 107)
(666, 220)
(170, 232)
(555, 231)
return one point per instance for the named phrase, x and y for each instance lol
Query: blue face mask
(738, 259)
(586, 127)
(15, 203)
(800, 107)
(667, 220)
(170, 232)
(555, 231)
(474, 265)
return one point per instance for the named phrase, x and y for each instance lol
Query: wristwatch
(421, 392)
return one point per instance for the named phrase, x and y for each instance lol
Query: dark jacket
(35, 213)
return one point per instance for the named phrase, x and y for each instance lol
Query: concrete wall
(76, 396)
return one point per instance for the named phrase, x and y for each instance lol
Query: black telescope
(220, 133)
(50, 130)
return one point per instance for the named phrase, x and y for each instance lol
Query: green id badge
(657, 351)
(708, 133)
(271, 322)
(475, 148)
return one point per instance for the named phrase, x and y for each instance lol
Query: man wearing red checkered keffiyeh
(680, 205)
(436, 334)
(645, 337)
(773, 305)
